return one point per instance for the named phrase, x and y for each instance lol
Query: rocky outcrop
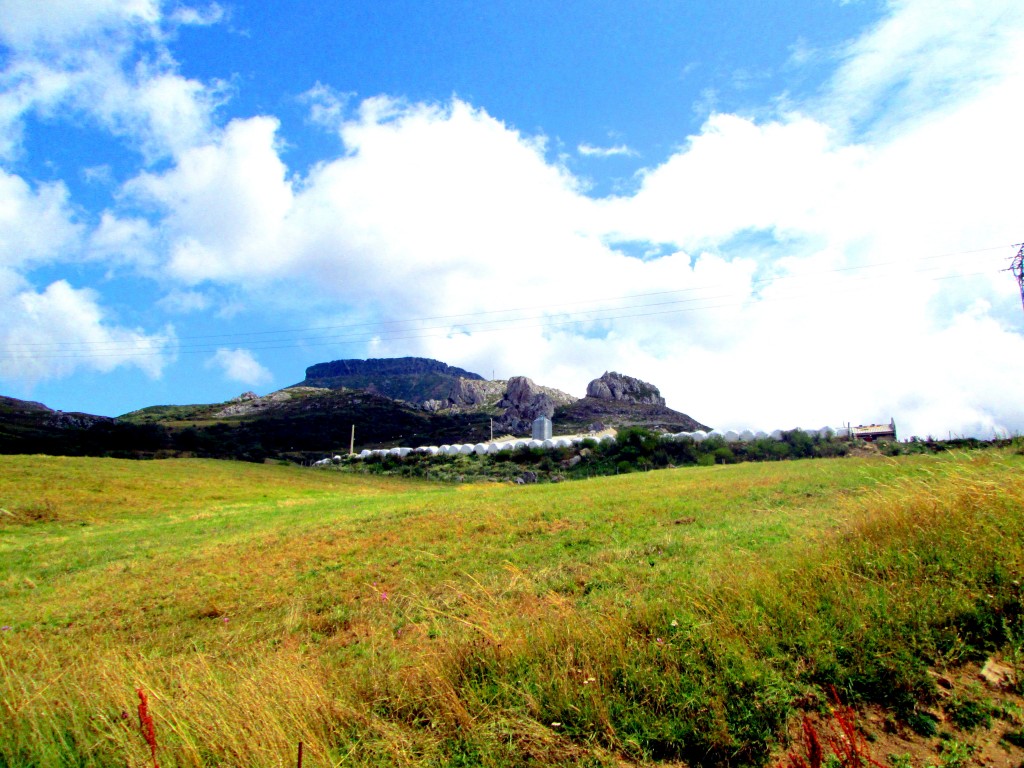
(249, 403)
(467, 392)
(624, 389)
(523, 402)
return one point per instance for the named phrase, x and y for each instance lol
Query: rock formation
(523, 402)
(417, 380)
(624, 389)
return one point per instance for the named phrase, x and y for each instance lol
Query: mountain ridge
(388, 401)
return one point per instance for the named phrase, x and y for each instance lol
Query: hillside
(390, 402)
(691, 615)
(30, 427)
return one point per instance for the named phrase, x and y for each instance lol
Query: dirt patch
(978, 721)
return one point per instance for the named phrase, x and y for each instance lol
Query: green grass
(679, 614)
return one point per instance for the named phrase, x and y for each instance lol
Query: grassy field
(672, 615)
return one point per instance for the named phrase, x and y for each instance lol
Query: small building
(873, 432)
(542, 428)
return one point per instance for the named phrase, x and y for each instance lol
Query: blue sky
(782, 214)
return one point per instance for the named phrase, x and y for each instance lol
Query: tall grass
(674, 615)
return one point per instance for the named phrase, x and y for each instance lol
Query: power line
(447, 330)
(559, 309)
(404, 329)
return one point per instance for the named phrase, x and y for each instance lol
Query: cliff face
(388, 366)
(411, 379)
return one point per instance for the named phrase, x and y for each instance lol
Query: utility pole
(352, 441)
(1017, 267)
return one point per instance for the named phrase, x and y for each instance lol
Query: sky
(780, 213)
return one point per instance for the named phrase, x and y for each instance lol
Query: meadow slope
(673, 615)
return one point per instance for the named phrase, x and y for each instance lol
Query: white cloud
(61, 330)
(737, 175)
(326, 105)
(589, 150)
(29, 24)
(925, 58)
(124, 242)
(36, 225)
(106, 60)
(225, 204)
(204, 16)
(240, 365)
(185, 302)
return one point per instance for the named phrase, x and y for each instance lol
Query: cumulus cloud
(240, 365)
(36, 225)
(224, 205)
(60, 330)
(106, 60)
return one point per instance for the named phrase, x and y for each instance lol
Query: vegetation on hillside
(638, 450)
(384, 621)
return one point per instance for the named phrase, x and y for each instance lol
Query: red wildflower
(146, 724)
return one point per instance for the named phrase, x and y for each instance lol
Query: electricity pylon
(1017, 267)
